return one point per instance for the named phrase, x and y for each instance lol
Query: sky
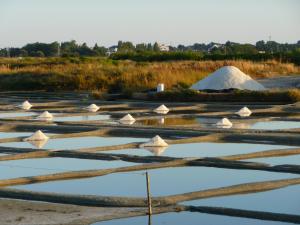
(170, 22)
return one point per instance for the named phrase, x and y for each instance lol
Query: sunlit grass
(115, 76)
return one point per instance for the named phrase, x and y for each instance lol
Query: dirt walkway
(38, 213)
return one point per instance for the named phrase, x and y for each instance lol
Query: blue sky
(166, 21)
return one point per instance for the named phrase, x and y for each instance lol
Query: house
(112, 49)
(163, 47)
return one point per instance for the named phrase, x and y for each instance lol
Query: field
(106, 75)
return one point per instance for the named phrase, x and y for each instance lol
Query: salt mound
(244, 112)
(25, 105)
(45, 116)
(224, 123)
(228, 77)
(37, 136)
(128, 119)
(93, 108)
(161, 110)
(157, 141)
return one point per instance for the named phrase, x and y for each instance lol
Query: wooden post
(148, 195)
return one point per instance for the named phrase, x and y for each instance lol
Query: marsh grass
(108, 75)
(188, 95)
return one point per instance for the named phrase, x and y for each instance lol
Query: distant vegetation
(187, 95)
(114, 76)
(261, 51)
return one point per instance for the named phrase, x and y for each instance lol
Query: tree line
(262, 50)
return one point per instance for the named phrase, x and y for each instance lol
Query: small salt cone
(37, 136)
(156, 141)
(161, 109)
(25, 105)
(224, 123)
(92, 108)
(244, 112)
(45, 116)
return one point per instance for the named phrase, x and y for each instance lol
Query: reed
(108, 75)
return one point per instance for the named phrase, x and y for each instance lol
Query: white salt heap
(157, 141)
(228, 77)
(45, 116)
(92, 108)
(25, 105)
(244, 112)
(161, 110)
(37, 136)
(224, 123)
(128, 119)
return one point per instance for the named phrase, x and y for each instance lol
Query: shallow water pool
(276, 125)
(74, 143)
(203, 149)
(16, 114)
(210, 123)
(188, 218)
(14, 134)
(283, 200)
(165, 181)
(291, 159)
(34, 167)
(81, 118)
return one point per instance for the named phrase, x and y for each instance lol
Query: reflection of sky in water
(188, 218)
(14, 134)
(81, 118)
(276, 125)
(165, 181)
(77, 142)
(292, 159)
(16, 114)
(284, 200)
(33, 167)
(204, 149)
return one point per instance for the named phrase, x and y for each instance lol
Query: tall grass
(115, 76)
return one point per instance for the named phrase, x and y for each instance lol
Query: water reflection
(14, 134)
(77, 142)
(157, 151)
(284, 200)
(204, 149)
(34, 167)
(210, 123)
(165, 181)
(189, 219)
(16, 114)
(81, 118)
(38, 144)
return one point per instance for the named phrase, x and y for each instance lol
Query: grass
(187, 95)
(106, 75)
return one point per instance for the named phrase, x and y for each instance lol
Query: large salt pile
(228, 77)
